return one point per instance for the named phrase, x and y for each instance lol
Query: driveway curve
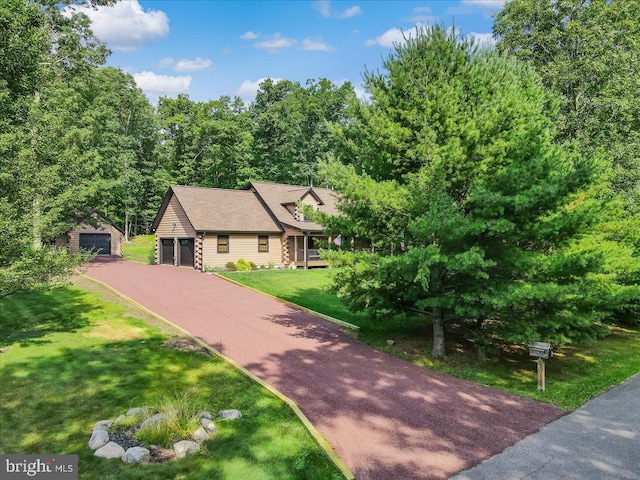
(387, 418)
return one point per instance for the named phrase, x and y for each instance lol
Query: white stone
(99, 438)
(120, 418)
(206, 414)
(103, 425)
(137, 455)
(136, 411)
(110, 450)
(230, 414)
(157, 418)
(208, 425)
(185, 447)
(200, 435)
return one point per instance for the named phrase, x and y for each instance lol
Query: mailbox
(540, 350)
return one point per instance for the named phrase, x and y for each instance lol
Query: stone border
(315, 434)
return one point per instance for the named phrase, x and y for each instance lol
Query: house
(262, 223)
(103, 237)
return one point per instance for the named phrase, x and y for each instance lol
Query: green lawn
(575, 374)
(140, 249)
(71, 359)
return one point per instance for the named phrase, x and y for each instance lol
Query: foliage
(291, 128)
(588, 52)
(243, 266)
(456, 166)
(231, 266)
(69, 347)
(206, 144)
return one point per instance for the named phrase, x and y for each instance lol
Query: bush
(231, 266)
(253, 266)
(243, 266)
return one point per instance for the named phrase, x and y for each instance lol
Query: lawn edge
(342, 323)
(315, 434)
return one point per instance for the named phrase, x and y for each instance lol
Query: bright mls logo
(50, 467)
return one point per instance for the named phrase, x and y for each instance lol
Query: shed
(104, 237)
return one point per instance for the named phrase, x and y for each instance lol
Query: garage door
(97, 242)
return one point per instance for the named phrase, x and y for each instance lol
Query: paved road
(600, 440)
(388, 419)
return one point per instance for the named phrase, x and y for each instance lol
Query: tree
(44, 181)
(291, 128)
(587, 50)
(472, 211)
(206, 144)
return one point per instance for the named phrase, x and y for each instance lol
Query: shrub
(231, 266)
(253, 266)
(243, 266)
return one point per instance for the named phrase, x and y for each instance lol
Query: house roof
(277, 195)
(221, 210)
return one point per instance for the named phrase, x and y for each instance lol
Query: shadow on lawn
(52, 409)
(406, 422)
(49, 311)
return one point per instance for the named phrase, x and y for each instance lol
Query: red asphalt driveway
(388, 419)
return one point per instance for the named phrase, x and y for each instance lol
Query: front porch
(303, 250)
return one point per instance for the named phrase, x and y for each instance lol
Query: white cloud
(312, 45)
(125, 25)
(166, 62)
(350, 12)
(248, 89)
(388, 38)
(422, 15)
(249, 35)
(483, 39)
(275, 43)
(152, 83)
(324, 7)
(473, 6)
(185, 65)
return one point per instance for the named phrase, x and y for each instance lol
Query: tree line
(498, 185)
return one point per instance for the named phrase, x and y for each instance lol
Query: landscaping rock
(230, 414)
(391, 342)
(186, 447)
(137, 455)
(158, 417)
(110, 450)
(120, 418)
(136, 411)
(208, 425)
(99, 438)
(200, 435)
(207, 415)
(103, 425)
(160, 454)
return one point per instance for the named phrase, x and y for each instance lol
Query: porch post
(306, 251)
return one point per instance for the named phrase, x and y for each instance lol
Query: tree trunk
(36, 227)
(126, 226)
(438, 333)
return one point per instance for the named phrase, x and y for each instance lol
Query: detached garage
(104, 238)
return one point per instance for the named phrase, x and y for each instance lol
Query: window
(223, 243)
(263, 243)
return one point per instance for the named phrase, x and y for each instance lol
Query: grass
(140, 249)
(575, 374)
(71, 358)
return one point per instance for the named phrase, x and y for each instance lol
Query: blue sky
(209, 48)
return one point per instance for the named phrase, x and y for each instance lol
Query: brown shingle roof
(276, 195)
(221, 210)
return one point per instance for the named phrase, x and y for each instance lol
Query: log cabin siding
(241, 245)
(175, 215)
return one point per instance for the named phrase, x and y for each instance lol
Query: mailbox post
(540, 351)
